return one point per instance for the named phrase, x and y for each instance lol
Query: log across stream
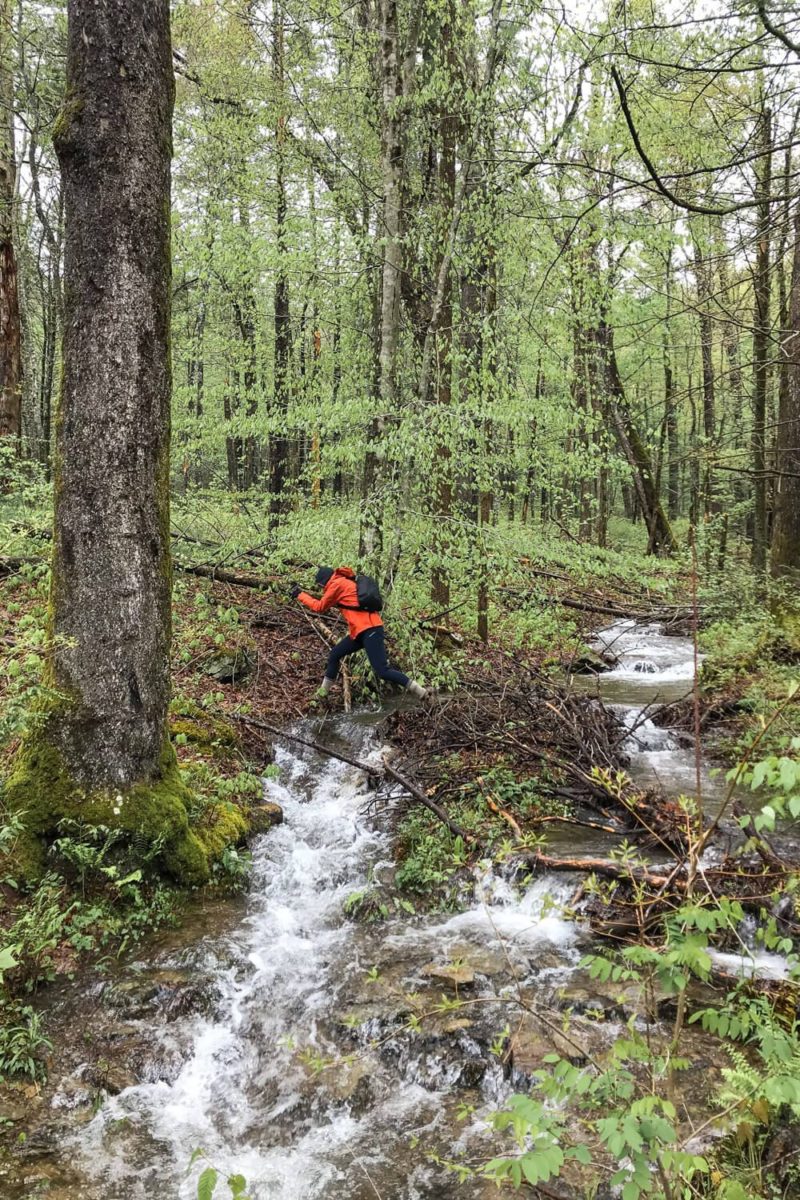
(273, 1033)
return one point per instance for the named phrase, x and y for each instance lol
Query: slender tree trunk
(279, 439)
(10, 322)
(371, 538)
(102, 751)
(785, 558)
(671, 427)
(703, 285)
(761, 340)
(443, 483)
(661, 538)
(735, 381)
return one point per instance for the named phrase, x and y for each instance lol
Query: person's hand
(295, 590)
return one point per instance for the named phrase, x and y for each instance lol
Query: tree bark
(703, 285)
(443, 483)
(761, 339)
(390, 230)
(785, 557)
(10, 322)
(102, 752)
(278, 444)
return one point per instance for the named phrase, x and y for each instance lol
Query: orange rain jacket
(341, 589)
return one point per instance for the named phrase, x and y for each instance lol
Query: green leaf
(8, 958)
(206, 1184)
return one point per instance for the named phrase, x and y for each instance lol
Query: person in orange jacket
(365, 629)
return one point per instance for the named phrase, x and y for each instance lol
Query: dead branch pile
(540, 731)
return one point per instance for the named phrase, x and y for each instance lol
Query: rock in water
(263, 816)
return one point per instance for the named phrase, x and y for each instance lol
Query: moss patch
(222, 825)
(42, 789)
(198, 728)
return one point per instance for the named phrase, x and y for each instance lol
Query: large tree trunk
(102, 752)
(785, 561)
(10, 324)
(761, 340)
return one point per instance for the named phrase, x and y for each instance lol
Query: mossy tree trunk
(102, 751)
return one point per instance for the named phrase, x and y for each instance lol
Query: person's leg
(346, 646)
(375, 647)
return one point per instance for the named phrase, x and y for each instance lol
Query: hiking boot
(417, 690)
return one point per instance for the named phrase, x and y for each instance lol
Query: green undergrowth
(749, 665)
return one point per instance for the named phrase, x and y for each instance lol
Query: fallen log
(222, 575)
(664, 616)
(373, 772)
(15, 563)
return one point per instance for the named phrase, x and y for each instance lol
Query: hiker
(365, 627)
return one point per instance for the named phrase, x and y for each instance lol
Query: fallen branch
(603, 866)
(369, 769)
(10, 566)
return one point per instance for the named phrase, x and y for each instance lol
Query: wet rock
(483, 960)
(610, 1001)
(166, 993)
(533, 1040)
(348, 1082)
(782, 1155)
(111, 1077)
(645, 667)
(13, 1105)
(74, 1094)
(591, 663)
(455, 975)
(265, 816)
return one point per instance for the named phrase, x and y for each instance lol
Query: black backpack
(369, 596)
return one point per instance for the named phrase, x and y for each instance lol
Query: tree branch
(775, 30)
(651, 171)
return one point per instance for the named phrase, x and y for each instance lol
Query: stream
(222, 1039)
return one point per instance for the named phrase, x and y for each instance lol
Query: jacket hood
(347, 572)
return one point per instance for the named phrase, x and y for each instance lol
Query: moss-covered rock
(230, 664)
(43, 792)
(262, 817)
(222, 825)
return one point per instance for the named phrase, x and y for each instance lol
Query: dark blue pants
(372, 641)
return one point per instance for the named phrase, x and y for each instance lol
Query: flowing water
(289, 985)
